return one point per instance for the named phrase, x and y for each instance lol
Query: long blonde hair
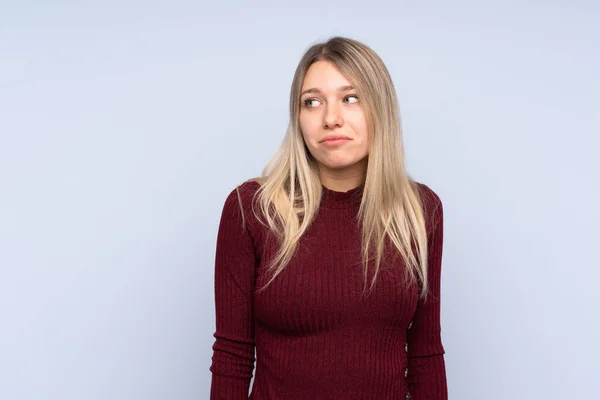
(391, 203)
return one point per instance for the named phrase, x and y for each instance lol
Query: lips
(335, 137)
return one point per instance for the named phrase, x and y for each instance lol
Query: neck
(342, 181)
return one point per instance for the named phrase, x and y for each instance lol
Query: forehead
(324, 75)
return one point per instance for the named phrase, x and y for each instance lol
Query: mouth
(335, 138)
(335, 142)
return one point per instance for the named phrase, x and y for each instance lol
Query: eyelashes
(307, 102)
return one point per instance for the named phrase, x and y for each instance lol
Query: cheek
(309, 128)
(359, 124)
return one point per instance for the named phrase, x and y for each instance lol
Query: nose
(333, 116)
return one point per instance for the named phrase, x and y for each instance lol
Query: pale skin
(332, 107)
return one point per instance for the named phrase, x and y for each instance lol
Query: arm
(426, 366)
(233, 349)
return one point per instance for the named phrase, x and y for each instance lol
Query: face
(330, 109)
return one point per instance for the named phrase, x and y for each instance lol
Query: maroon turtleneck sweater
(315, 338)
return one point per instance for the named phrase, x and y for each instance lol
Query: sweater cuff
(229, 388)
(427, 378)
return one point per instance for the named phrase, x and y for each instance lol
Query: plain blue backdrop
(124, 125)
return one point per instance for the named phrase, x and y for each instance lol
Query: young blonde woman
(328, 265)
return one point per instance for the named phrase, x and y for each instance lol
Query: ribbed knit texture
(315, 337)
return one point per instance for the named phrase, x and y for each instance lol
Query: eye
(307, 102)
(352, 96)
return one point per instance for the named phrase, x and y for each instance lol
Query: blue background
(124, 124)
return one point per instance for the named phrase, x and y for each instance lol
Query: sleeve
(425, 351)
(233, 350)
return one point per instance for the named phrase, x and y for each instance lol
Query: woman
(334, 279)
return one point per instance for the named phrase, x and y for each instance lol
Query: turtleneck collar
(335, 199)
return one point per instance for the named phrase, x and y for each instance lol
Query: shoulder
(243, 191)
(429, 198)
(431, 203)
(239, 201)
(250, 186)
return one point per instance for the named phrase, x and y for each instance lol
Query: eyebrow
(317, 90)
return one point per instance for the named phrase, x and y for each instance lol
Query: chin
(338, 165)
